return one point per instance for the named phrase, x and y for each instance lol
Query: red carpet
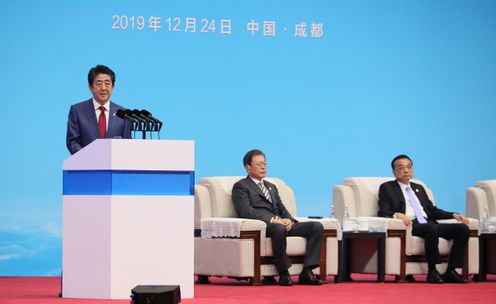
(45, 289)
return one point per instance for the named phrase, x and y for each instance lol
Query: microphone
(131, 114)
(121, 113)
(149, 115)
(142, 125)
(140, 115)
(157, 123)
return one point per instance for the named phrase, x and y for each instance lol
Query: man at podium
(96, 117)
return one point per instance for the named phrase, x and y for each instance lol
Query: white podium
(128, 218)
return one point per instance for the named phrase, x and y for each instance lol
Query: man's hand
(460, 218)
(404, 218)
(288, 224)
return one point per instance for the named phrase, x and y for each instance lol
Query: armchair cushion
(220, 189)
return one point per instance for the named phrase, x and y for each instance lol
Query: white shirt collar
(96, 105)
(256, 180)
(403, 186)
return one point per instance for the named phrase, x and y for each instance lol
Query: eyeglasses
(402, 168)
(260, 164)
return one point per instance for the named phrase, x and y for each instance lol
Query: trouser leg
(459, 233)
(277, 233)
(313, 232)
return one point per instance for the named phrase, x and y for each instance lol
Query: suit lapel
(257, 189)
(111, 121)
(91, 116)
(271, 191)
(399, 195)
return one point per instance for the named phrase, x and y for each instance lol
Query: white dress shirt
(96, 106)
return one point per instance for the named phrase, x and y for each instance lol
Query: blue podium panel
(127, 182)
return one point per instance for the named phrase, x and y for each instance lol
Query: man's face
(403, 170)
(257, 168)
(101, 88)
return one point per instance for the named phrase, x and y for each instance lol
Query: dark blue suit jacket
(250, 202)
(82, 126)
(391, 200)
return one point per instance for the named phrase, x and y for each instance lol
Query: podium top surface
(134, 154)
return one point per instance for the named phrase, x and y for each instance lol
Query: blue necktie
(415, 205)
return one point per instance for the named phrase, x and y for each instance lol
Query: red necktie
(102, 122)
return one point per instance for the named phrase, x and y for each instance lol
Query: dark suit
(250, 202)
(82, 125)
(391, 200)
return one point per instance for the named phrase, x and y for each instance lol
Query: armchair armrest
(473, 224)
(218, 227)
(328, 223)
(249, 224)
(396, 224)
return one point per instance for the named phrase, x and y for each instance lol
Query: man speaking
(95, 118)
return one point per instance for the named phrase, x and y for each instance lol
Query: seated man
(256, 198)
(408, 202)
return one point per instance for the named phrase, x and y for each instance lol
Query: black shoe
(308, 278)
(434, 277)
(203, 279)
(285, 280)
(269, 280)
(453, 277)
(409, 278)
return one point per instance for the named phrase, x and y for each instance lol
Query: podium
(128, 218)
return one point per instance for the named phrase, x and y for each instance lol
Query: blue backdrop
(328, 89)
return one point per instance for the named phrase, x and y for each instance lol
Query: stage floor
(222, 291)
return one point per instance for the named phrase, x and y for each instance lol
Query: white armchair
(405, 254)
(226, 245)
(481, 204)
(481, 200)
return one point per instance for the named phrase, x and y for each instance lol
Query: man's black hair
(401, 156)
(100, 69)
(249, 156)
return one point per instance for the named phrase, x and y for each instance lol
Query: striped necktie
(265, 191)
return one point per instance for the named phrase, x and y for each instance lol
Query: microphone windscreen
(120, 113)
(146, 113)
